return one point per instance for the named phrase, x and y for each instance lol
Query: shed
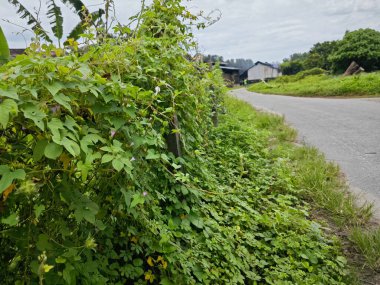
(260, 71)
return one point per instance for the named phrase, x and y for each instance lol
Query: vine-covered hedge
(90, 193)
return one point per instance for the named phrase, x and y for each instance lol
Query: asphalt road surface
(346, 130)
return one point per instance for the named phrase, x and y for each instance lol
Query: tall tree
(362, 46)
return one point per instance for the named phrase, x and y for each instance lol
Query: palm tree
(56, 20)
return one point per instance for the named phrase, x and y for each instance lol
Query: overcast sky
(265, 30)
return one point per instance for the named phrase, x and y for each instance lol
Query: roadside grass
(368, 242)
(320, 185)
(366, 84)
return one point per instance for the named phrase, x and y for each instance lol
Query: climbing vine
(90, 193)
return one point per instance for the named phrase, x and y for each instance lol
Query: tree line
(361, 46)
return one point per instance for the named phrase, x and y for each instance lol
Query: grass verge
(366, 84)
(319, 185)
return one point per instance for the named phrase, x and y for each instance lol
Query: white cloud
(267, 30)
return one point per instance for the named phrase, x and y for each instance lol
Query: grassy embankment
(319, 184)
(366, 84)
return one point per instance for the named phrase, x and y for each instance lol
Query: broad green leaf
(63, 100)
(107, 158)
(54, 87)
(55, 126)
(53, 150)
(137, 199)
(71, 146)
(11, 220)
(7, 176)
(117, 164)
(9, 92)
(152, 154)
(39, 150)
(7, 107)
(84, 168)
(38, 209)
(31, 111)
(43, 243)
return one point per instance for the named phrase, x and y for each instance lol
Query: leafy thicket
(90, 193)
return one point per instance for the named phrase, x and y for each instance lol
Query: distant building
(16, 51)
(230, 73)
(260, 71)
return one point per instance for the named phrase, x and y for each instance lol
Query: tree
(291, 67)
(318, 56)
(361, 46)
(56, 20)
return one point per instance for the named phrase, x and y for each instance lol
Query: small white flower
(133, 159)
(157, 89)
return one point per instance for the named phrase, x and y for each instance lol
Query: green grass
(366, 84)
(368, 242)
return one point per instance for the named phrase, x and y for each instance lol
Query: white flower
(157, 89)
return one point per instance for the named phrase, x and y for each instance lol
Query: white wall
(262, 72)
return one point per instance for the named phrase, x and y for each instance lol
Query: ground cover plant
(367, 84)
(90, 193)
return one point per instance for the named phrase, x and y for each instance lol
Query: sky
(265, 30)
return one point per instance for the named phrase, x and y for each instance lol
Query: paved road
(346, 130)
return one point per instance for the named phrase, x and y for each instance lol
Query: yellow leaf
(150, 261)
(65, 159)
(8, 191)
(159, 258)
(134, 239)
(149, 276)
(47, 268)
(164, 264)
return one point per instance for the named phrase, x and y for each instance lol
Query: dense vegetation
(303, 84)
(90, 193)
(361, 46)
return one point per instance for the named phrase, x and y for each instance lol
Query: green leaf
(38, 209)
(107, 158)
(43, 243)
(31, 111)
(7, 176)
(53, 150)
(7, 107)
(9, 92)
(54, 87)
(71, 146)
(152, 154)
(64, 101)
(117, 164)
(11, 220)
(137, 199)
(39, 150)
(54, 13)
